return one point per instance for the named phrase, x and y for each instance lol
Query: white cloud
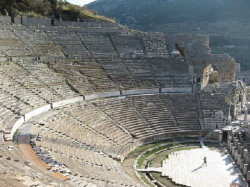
(80, 2)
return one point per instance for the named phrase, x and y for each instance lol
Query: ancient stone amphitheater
(77, 97)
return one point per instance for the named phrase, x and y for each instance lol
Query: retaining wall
(36, 22)
(17, 20)
(102, 95)
(177, 90)
(5, 20)
(18, 123)
(140, 91)
(36, 112)
(95, 24)
(66, 101)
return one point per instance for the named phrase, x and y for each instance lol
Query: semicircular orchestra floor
(186, 167)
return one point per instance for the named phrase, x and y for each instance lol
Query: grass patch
(148, 153)
(145, 179)
(154, 158)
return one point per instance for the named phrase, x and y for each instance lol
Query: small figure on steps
(205, 161)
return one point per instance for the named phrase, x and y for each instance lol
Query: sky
(80, 2)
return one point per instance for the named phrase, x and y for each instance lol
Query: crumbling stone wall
(197, 53)
(205, 76)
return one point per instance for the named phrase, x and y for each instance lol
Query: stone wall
(93, 24)
(205, 76)
(197, 53)
(177, 90)
(36, 112)
(102, 95)
(66, 102)
(18, 123)
(36, 22)
(18, 20)
(5, 20)
(140, 91)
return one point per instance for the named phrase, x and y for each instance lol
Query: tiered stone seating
(41, 44)
(130, 120)
(70, 43)
(211, 103)
(116, 69)
(85, 140)
(162, 71)
(180, 72)
(154, 44)
(15, 170)
(7, 119)
(127, 45)
(185, 110)
(50, 53)
(8, 83)
(81, 133)
(26, 79)
(12, 46)
(98, 44)
(96, 76)
(51, 79)
(97, 175)
(212, 107)
(154, 110)
(77, 80)
(85, 77)
(33, 37)
(94, 118)
(84, 152)
(141, 73)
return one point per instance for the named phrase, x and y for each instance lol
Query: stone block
(245, 169)
(238, 160)
(241, 164)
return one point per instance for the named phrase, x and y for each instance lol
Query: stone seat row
(89, 115)
(84, 135)
(80, 154)
(67, 147)
(16, 170)
(94, 175)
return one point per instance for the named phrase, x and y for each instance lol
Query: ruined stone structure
(244, 76)
(78, 97)
(238, 147)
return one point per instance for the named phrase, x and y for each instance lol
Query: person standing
(205, 161)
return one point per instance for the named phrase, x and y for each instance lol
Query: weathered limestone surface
(140, 91)
(67, 101)
(37, 111)
(101, 95)
(36, 22)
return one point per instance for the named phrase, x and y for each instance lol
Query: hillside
(49, 8)
(226, 22)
